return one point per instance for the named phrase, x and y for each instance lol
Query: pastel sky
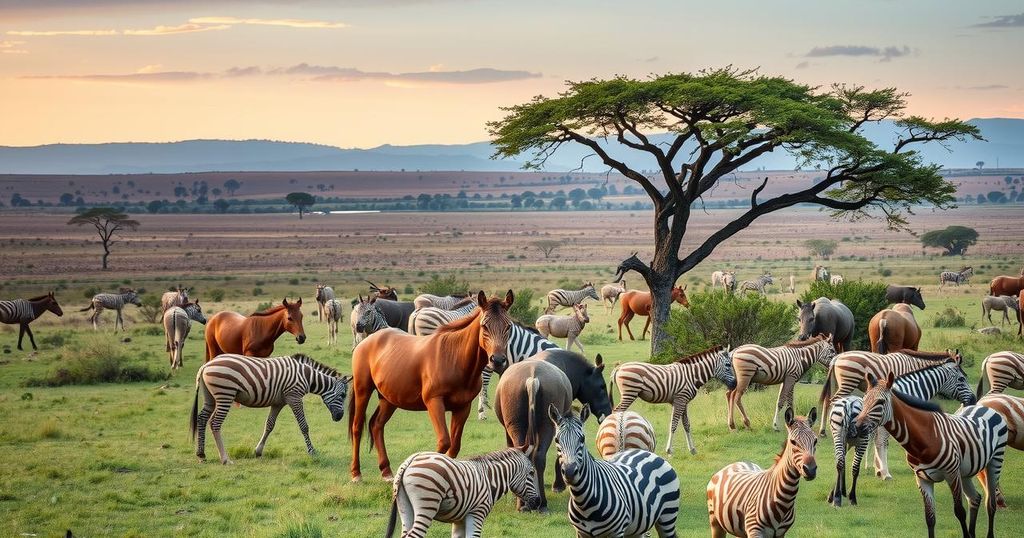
(359, 73)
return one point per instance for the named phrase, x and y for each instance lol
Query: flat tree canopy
(718, 122)
(108, 222)
(954, 239)
(301, 200)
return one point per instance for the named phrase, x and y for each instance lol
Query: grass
(76, 455)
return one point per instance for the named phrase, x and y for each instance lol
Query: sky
(361, 73)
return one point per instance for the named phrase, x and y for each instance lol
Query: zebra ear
(789, 416)
(585, 413)
(812, 416)
(509, 299)
(527, 450)
(799, 303)
(872, 380)
(889, 380)
(554, 414)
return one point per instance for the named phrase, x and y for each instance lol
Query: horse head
(679, 295)
(52, 305)
(495, 328)
(293, 319)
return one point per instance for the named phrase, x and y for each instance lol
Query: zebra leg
(835, 497)
(219, 414)
(956, 487)
(785, 399)
(416, 516)
(202, 420)
(882, 454)
(483, 401)
(928, 495)
(271, 420)
(858, 457)
(300, 417)
(989, 477)
(974, 499)
(459, 528)
(665, 526)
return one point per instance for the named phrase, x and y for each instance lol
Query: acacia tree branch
(617, 165)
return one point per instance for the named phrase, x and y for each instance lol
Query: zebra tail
(393, 517)
(90, 307)
(194, 416)
(826, 389)
(532, 387)
(373, 419)
(981, 380)
(882, 348)
(611, 387)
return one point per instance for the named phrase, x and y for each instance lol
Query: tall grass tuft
(949, 318)
(93, 360)
(447, 285)
(305, 530)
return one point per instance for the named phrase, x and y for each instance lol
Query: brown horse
(894, 329)
(436, 373)
(1006, 285)
(638, 303)
(253, 336)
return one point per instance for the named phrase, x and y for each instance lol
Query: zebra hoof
(557, 489)
(693, 451)
(311, 452)
(227, 462)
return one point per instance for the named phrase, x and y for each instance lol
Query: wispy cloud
(1003, 21)
(803, 65)
(199, 24)
(158, 76)
(46, 33)
(984, 88)
(12, 47)
(884, 53)
(291, 23)
(187, 28)
(483, 75)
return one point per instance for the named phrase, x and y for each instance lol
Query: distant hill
(1005, 144)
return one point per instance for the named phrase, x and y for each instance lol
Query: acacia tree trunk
(106, 253)
(661, 279)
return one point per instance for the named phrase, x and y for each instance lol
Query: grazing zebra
(112, 301)
(836, 280)
(820, 273)
(567, 298)
(1001, 369)
(624, 496)
(448, 302)
(844, 436)
(324, 293)
(332, 309)
(568, 327)
(727, 279)
(1001, 303)
(772, 366)
(622, 431)
(175, 297)
(424, 321)
(758, 284)
(610, 293)
(962, 276)
(676, 383)
(25, 311)
(256, 382)
(177, 324)
(850, 369)
(746, 500)
(942, 447)
(430, 486)
(523, 343)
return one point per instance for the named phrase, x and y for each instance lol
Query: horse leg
(385, 410)
(647, 325)
(459, 417)
(360, 400)
(436, 410)
(271, 420)
(31, 338)
(627, 316)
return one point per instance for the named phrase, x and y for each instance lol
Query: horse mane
(270, 311)
(40, 298)
(316, 365)
(927, 355)
(697, 356)
(917, 403)
(804, 343)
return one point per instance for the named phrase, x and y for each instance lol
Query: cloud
(187, 28)
(987, 87)
(33, 33)
(803, 65)
(291, 23)
(1003, 21)
(143, 76)
(483, 75)
(885, 53)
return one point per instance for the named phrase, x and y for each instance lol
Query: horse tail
(882, 348)
(193, 427)
(369, 426)
(90, 307)
(532, 387)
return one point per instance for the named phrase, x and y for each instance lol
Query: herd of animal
(436, 354)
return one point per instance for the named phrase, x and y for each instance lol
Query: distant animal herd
(436, 354)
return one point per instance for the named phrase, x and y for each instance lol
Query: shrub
(864, 299)
(523, 309)
(950, 317)
(720, 318)
(151, 310)
(256, 292)
(96, 360)
(217, 295)
(443, 286)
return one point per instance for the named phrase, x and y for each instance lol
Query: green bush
(720, 318)
(864, 299)
(97, 360)
(217, 295)
(948, 318)
(443, 286)
(523, 309)
(151, 309)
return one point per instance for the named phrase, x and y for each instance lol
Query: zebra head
(194, 312)
(570, 439)
(802, 442)
(591, 291)
(495, 329)
(723, 368)
(131, 296)
(370, 319)
(825, 352)
(334, 397)
(877, 404)
(955, 385)
(320, 293)
(805, 315)
(522, 480)
(767, 278)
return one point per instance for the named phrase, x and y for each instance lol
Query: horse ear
(585, 413)
(553, 413)
(509, 299)
(812, 416)
(285, 302)
(299, 302)
(481, 299)
(599, 362)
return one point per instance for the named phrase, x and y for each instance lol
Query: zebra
(962, 276)
(850, 369)
(610, 294)
(676, 383)
(324, 293)
(758, 284)
(568, 327)
(1012, 409)
(112, 301)
(523, 343)
(820, 273)
(836, 280)
(746, 500)
(783, 365)
(430, 486)
(946, 379)
(332, 309)
(25, 311)
(568, 298)
(624, 430)
(626, 496)
(1001, 369)
(175, 297)
(177, 324)
(353, 320)
(1000, 303)
(370, 319)
(448, 302)
(424, 321)
(256, 382)
(942, 447)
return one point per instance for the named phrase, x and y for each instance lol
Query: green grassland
(116, 459)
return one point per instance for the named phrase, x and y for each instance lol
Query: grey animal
(394, 313)
(1001, 303)
(610, 293)
(177, 324)
(176, 297)
(565, 326)
(904, 294)
(757, 284)
(990, 330)
(826, 316)
(332, 310)
(324, 293)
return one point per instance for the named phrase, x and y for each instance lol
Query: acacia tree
(954, 239)
(717, 122)
(301, 200)
(108, 222)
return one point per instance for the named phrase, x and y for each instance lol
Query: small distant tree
(954, 239)
(302, 201)
(980, 164)
(547, 246)
(109, 222)
(155, 206)
(558, 203)
(447, 285)
(221, 205)
(997, 197)
(67, 198)
(823, 248)
(231, 186)
(180, 191)
(1008, 180)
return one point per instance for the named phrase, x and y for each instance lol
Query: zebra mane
(698, 356)
(488, 457)
(804, 343)
(270, 311)
(525, 327)
(941, 356)
(463, 302)
(40, 298)
(316, 365)
(917, 403)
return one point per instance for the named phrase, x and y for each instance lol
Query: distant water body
(355, 212)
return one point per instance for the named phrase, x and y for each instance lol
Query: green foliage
(449, 284)
(97, 360)
(954, 239)
(523, 309)
(217, 295)
(864, 299)
(301, 200)
(151, 309)
(720, 318)
(305, 530)
(949, 318)
(821, 247)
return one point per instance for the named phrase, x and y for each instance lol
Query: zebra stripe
(523, 343)
(845, 436)
(676, 383)
(177, 325)
(624, 430)
(567, 298)
(430, 486)
(745, 500)
(111, 301)
(758, 284)
(256, 382)
(628, 495)
(16, 312)
(772, 366)
(448, 302)
(1012, 409)
(425, 321)
(178, 297)
(956, 277)
(1002, 369)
